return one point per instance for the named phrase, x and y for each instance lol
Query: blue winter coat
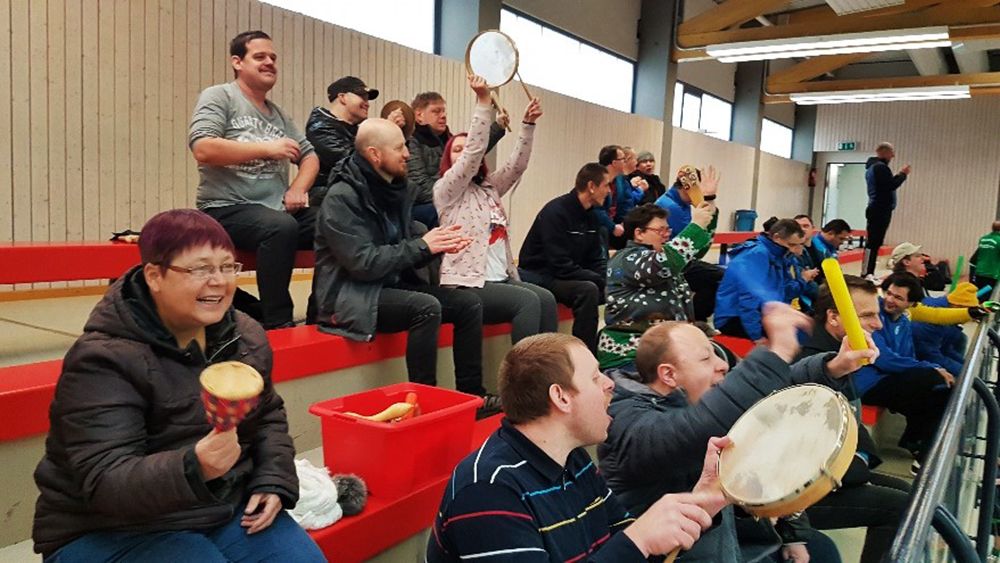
(680, 210)
(940, 344)
(896, 353)
(758, 273)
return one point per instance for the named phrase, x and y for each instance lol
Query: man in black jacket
(564, 254)
(866, 499)
(662, 423)
(426, 147)
(367, 251)
(332, 130)
(882, 186)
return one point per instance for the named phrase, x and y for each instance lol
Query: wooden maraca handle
(673, 555)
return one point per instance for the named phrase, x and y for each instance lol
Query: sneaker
(491, 406)
(914, 468)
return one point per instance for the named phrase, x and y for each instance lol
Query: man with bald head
(368, 251)
(882, 186)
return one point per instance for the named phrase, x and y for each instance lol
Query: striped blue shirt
(510, 502)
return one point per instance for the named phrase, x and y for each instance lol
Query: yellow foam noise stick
(842, 298)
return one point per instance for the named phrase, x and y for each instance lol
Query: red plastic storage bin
(397, 458)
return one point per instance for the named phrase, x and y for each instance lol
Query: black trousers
(921, 396)
(877, 505)
(275, 236)
(878, 226)
(704, 279)
(421, 309)
(983, 281)
(583, 297)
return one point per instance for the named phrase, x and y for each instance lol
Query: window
(699, 111)
(561, 63)
(776, 139)
(409, 22)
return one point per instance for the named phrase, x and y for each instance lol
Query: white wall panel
(950, 198)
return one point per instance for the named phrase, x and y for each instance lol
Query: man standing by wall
(882, 186)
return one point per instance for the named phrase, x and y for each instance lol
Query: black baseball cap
(350, 84)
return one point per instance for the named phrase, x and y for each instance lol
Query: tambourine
(230, 391)
(408, 115)
(788, 451)
(493, 55)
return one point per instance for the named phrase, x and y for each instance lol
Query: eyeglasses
(662, 231)
(207, 271)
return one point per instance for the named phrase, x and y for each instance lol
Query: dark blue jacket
(680, 210)
(896, 353)
(757, 273)
(940, 344)
(823, 248)
(882, 185)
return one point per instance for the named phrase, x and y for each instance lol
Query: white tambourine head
(493, 56)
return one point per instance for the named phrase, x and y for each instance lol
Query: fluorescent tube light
(887, 95)
(918, 38)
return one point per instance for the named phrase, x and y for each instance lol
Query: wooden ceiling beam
(980, 79)
(814, 67)
(937, 16)
(733, 12)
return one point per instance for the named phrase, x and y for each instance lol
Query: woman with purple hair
(132, 470)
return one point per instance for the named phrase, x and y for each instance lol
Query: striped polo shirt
(510, 502)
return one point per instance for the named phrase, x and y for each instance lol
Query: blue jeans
(282, 541)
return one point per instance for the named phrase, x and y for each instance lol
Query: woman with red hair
(468, 194)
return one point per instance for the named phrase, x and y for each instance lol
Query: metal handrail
(930, 486)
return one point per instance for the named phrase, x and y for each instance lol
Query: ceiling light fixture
(871, 41)
(886, 95)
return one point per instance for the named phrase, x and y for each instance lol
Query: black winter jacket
(333, 140)
(564, 244)
(355, 256)
(125, 419)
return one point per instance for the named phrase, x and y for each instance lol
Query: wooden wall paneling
(6, 157)
(193, 77)
(298, 79)
(58, 121)
(243, 13)
(74, 109)
(254, 7)
(182, 180)
(220, 43)
(206, 48)
(164, 181)
(39, 93)
(104, 65)
(148, 135)
(121, 154)
(6, 183)
(136, 182)
(231, 16)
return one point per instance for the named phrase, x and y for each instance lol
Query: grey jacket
(424, 164)
(656, 444)
(354, 256)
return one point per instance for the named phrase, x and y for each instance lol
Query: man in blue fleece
(757, 274)
(899, 381)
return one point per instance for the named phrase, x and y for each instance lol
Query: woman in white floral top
(468, 194)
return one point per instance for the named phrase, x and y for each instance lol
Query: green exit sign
(847, 146)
